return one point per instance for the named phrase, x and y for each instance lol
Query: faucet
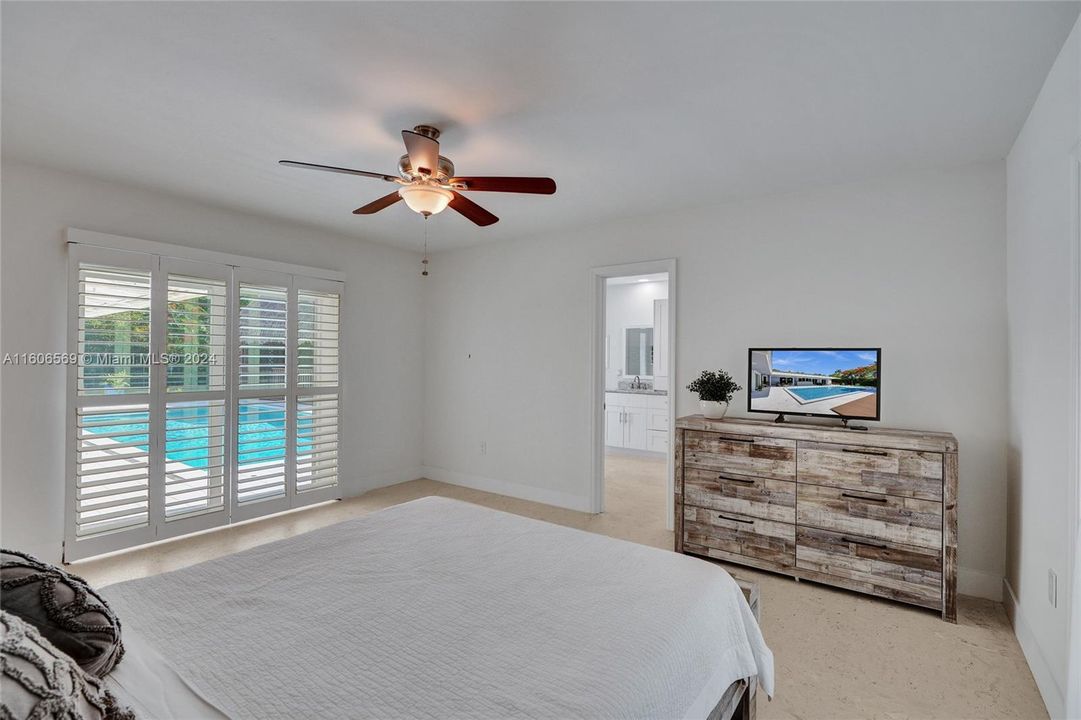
(637, 384)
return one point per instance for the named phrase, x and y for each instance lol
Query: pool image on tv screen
(841, 383)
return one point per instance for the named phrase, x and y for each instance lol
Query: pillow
(39, 681)
(64, 608)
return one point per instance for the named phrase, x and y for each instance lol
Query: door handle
(854, 541)
(862, 497)
(739, 520)
(748, 481)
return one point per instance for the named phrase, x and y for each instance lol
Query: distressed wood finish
(737, 703)
(740, 454)
(678, 483)
(894, 570)
(757, 497)
(878, 437)
(890, 517)
(881, 470)
(872, 511)
(740, 535)
(752, 595)
(949, 537)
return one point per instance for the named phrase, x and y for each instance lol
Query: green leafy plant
(714, 386)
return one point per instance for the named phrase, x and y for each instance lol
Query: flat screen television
(840, 383)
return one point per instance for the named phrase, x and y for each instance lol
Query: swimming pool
(192, 433)
(821, 392)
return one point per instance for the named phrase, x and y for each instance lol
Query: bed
(440, 608)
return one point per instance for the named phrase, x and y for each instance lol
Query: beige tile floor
(838, 654)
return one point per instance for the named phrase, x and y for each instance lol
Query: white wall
(1042, 263)
(628, 305)
(915, 264)
(382, 343)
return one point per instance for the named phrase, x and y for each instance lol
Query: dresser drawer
(736, 534)
(890, 517)
(894, 472)
(884, 568)
(741, 454)
(757, 497)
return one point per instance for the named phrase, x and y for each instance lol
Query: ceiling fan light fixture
(426, 199)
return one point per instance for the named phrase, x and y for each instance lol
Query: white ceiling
(632, 108)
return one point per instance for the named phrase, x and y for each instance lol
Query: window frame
(162, 260)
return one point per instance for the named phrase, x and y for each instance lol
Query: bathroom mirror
(639, 351)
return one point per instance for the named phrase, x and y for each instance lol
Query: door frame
(597, 351)
(1073, 620)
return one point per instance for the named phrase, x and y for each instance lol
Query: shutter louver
(317, 442)
(317, 339)
(194, 458)
(262, 320)
(196, 333)
(113, 331)
(261, 440)
(112, 469)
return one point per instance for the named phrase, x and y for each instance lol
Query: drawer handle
(748, 481)
(732, 439)
(739, 520)
(880, 453)
(868, 499)
(855, 541)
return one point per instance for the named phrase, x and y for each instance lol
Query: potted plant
(715, 391)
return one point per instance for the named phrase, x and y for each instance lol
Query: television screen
(826, 382)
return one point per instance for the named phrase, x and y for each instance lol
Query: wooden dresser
(873, 511)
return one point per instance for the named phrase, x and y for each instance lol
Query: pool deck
(864, 407)
(780, 400)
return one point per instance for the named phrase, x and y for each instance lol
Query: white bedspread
(438, 608)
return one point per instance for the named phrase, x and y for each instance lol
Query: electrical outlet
(1052, 588)
(483, 447)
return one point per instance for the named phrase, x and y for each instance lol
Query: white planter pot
(712, 409)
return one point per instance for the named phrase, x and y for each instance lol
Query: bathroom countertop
(639, 392)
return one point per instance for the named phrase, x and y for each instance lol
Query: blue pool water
(261, 432)
(818, 392)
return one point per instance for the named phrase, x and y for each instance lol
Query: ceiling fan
(428, 183)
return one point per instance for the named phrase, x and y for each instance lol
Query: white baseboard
(391, 477)
(978, 583)
(1052, 694)
(510, 489)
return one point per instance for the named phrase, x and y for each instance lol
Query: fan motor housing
(444, 172)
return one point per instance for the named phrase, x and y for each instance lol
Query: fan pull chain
(424, 262)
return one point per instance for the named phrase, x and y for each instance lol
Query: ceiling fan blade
(344, 171)
(377, 205)
(472, 211)
(536, 185)
(423, 152)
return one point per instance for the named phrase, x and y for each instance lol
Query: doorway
(633, 378)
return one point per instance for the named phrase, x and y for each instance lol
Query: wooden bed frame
(739, 700)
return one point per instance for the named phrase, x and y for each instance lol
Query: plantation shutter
(204, 394)
(318, 393)
(195, 492)
(265, 325)
(110, 426)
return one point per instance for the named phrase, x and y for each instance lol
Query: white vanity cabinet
(636, 421)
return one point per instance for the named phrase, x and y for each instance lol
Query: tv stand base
(844, 423)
